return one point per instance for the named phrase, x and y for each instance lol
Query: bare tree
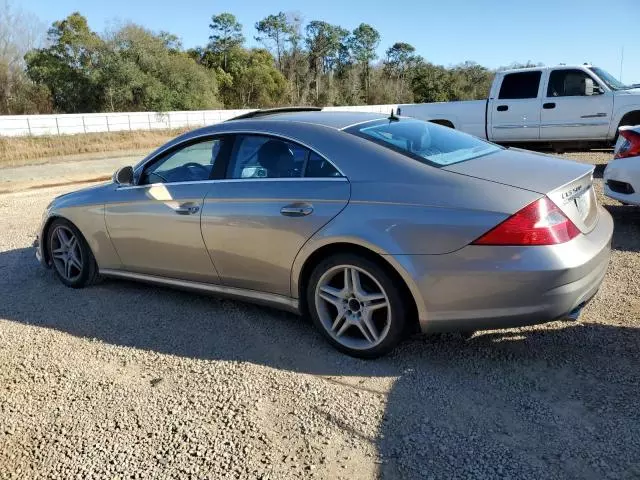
(20, 31)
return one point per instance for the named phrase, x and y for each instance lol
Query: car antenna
(393, 117)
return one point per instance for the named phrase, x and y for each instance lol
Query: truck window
(568, 83)
(520, 85)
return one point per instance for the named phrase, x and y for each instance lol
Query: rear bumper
(624, 172)
(483, 287)
(629, 199)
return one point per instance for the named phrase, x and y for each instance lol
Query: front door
(155, 225)
(276, 196)
(515, 114)
(575, 107)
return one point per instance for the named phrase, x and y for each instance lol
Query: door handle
(187, 209)
(297, 210)
(549, 106)
(503, 108)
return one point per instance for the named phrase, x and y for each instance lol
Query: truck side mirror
(591, 88)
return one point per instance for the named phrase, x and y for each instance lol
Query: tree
(363, 43)
(144, 71)
(323, 42)
(474, 81)
(294, 61)
(274, 31)
(256, 81)
(19, 33)
(400, 61)
(431, 83)
(70, 66)
(527, 64)
(133, 68)
(226, 34)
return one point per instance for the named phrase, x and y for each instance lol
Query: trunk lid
(567, 183)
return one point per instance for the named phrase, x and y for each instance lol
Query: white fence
(69, 124)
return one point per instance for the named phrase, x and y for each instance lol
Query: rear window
(520, 85)
(426, 142)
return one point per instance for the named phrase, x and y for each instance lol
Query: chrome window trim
(287, 138)
(288, 303)
(238, 180)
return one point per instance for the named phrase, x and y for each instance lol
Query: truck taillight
(539, 223)
(630, 147)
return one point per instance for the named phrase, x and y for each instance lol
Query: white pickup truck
(555, 105)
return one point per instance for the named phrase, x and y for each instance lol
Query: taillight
(539, 223)
(631, 145)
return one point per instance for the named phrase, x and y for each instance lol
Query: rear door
(576, 106)
(515, 113)
(277, 194)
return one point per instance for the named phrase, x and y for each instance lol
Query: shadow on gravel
(535, 403)
(626, 236)
(599, 170)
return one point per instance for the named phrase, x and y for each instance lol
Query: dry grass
(17, 151)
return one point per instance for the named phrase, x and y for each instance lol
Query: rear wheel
(71, 258)
(355, 304)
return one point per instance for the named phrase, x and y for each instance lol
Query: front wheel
(355, 304)
(71, 258)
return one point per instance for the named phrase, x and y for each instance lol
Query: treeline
(134, 69)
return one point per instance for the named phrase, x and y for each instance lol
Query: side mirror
(123, 176)
(591, 88)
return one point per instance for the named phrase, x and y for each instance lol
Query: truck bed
(467, 116)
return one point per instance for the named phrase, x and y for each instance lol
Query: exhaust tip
(573, 315)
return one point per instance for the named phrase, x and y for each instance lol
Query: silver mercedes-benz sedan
(374, 226)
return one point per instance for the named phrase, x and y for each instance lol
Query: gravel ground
(130, 381)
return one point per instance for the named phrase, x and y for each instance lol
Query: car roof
(327, 118)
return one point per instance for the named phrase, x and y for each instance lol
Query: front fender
(85, 209)
(618, 113)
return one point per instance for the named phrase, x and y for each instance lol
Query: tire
(627, 120)
(67, 246)
(364, 319)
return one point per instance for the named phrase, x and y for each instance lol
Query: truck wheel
(630, 119)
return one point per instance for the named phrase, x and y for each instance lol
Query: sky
(492, 33)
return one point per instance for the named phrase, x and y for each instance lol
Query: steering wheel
(157, 175)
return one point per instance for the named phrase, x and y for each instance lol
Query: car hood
(629, 91)
(524, 169)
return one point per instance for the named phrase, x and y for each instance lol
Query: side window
(520, 85)
(191, 163)
(569, 83)
(259, 156)
(318, 167)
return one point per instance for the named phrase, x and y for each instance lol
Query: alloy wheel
(66, 253)
(353, 307)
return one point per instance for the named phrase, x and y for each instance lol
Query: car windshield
(612, 82)
(427, 142)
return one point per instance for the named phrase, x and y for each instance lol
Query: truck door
(515, 113)
(575, 107)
